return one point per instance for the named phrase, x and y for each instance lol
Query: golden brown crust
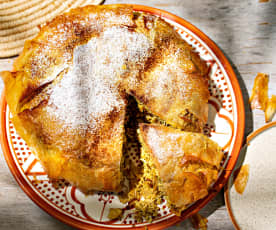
(50, 52)
(88, 153)
(184, 188)
(187, 163)
(173, 142)
(173, 85)
(85, 160)
(88, 158)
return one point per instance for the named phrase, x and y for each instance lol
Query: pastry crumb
(115, 213)
(270, 109)
(199, 222)
(259, 94)
(241, 178)
(259, 98)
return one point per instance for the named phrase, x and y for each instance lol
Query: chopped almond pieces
(259, 94)
(270, 109)
(199, 222)
(241, 178)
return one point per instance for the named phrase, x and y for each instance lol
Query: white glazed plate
(256, 207)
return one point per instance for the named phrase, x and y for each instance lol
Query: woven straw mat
(19, 20)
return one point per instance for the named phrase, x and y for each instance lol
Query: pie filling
(190, 122)
(143, 188)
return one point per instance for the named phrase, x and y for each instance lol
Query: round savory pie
(70, 88)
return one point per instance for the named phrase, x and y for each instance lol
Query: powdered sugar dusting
(157, 89)
(159, 141)
(89, 90)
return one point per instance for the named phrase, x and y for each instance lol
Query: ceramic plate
(256, 207)
(68, 204)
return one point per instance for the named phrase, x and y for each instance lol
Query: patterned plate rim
(198, 205)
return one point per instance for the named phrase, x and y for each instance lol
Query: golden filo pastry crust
(174, 83)
(187, 163)
(56, 113)
(68, 90)
(50, 52)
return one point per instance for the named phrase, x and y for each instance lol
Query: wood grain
(244, 30)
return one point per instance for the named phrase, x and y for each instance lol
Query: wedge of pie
(180, 165)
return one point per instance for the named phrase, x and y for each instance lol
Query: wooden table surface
(244, 30)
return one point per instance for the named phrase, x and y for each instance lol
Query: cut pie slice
(186, 164)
